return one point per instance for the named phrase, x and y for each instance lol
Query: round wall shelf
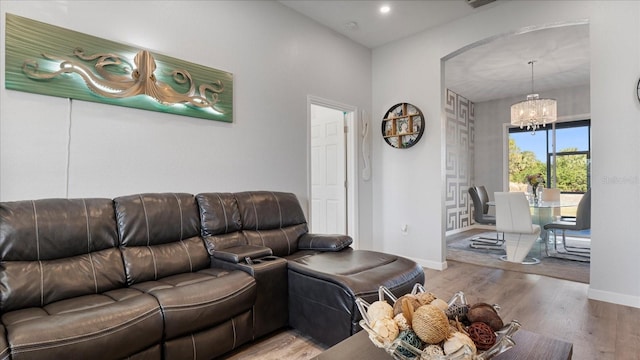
(403, 126)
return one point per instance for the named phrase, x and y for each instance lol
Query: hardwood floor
(554, 307)
(283, 345)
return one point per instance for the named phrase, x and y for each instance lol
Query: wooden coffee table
(529, 346)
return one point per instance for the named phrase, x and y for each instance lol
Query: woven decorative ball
(482, 335)
(430, 324)
(457, 311)
(440, 304)
(485, 313)
(386, 330)
(402, 323)
(379, 310)
(397, 306)
(425, 298)
(432, 352)
(456, 341)
(412, 339)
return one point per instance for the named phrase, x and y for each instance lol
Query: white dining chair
(513, 218)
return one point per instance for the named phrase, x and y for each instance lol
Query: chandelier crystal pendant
(533, 112)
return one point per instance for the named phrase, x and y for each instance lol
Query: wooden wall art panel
(50, 60)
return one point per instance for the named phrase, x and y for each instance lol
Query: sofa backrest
(272, 219)
(54, 249)
(263, 218)
(159, 235)
(220, 221)
(219, 213)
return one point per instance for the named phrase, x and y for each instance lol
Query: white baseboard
(457, 231)
(472, 227)
(430, 264)
(615, 298)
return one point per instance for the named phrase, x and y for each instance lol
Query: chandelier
(534, 111)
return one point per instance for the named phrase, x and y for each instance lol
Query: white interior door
(328, 173)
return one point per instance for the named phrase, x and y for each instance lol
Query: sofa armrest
(237, 254)
(324, 242)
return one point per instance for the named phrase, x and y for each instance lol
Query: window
(567, 169)
(572, 158)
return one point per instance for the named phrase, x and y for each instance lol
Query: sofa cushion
(282, 241)
(266, 218)
(144, 263)
(159, 235)
(192, 302)
(360, 271)
(154, 219)
(264, 210)
(33, 283)
(152, 353)
(303, 253)
(53, 249)
(219, 213)
(4, 347)
(214, 342)
(111, 325)
(51, 229)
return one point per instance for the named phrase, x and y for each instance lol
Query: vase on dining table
(533, 191)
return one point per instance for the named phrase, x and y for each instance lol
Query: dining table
(544, 212)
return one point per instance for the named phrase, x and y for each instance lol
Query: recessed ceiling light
(385, 9)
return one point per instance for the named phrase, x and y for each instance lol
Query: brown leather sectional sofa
(176, 276)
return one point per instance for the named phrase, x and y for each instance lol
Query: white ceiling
(494, 70)
(500, 69)
(376, 29)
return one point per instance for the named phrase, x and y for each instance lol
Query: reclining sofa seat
(269, 228)
(324, 274)
(206, 311)
(260, 223)
(229, 246)
(63, 290)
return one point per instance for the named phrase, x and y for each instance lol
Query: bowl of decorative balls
(421, 326)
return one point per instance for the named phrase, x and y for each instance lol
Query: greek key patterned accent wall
(459, 160)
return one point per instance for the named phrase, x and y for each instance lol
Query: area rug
(459, 250)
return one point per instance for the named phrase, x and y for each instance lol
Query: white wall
(573, 104)
(409, 185)
(278, 58)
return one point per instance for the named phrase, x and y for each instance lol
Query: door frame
(351, 160)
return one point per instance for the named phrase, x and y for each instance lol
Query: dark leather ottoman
(323, 289)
